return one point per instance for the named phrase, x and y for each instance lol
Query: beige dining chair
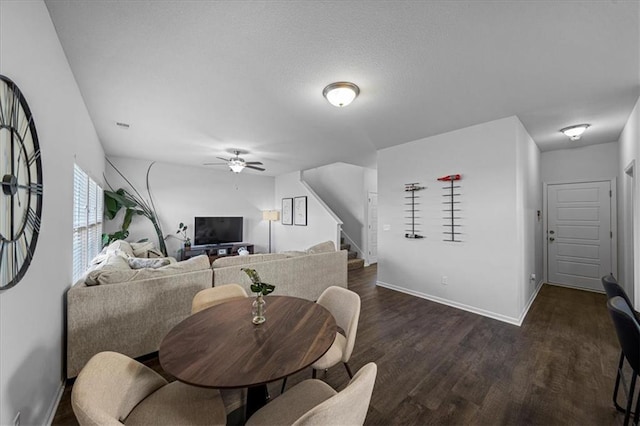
(344, 305)
(113, 389)
(215, 295)
(313, 402)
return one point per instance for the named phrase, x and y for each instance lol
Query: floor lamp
(270, 215)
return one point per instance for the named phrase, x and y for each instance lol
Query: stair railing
(355, 247)
(339, 222)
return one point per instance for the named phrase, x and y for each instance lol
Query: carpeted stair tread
(352, 254)
(345, 247)
(355, 264)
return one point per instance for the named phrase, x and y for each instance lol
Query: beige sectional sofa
(299, 274)
(117, 308)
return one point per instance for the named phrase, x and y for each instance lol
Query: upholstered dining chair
(628, 331)
(344, 305)
(215, 295)
(113, 389)
(313, 402)
(613, 289)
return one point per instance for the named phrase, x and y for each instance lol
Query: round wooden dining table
(221, 348)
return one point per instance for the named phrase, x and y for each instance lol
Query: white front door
(372, 220)
(579, 234)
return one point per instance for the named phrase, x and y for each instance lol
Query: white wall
(593, 162)
(628, 225)
(321, 224)
(181, 193)
(32, 313)
(344, 187)
(529, 199)
(484, 272)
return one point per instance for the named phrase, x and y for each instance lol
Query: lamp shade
(272, 215)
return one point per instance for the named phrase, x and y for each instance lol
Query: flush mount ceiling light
(575, 132)
(341, 94)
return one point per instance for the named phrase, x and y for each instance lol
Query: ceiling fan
(237, 164)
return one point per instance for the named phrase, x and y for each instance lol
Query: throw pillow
(140, 249)
(139, 263)
(153, 253)
(326, 247)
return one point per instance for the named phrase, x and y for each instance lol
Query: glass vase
(258, 308)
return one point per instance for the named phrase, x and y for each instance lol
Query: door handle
(552, 239)
(552, 232)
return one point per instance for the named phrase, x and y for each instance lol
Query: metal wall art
(452, 207)
(412, 210)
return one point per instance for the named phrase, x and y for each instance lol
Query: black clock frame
(32, 216)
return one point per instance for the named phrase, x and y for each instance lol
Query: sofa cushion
(112, 276)
(326, 247)
(294, 253)
(223, 262)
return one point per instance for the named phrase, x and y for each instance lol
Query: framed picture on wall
(300, 211)
(287, 211)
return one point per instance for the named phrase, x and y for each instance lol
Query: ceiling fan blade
(255, 163)
(223, 159)
(214, 164)
(255, 168)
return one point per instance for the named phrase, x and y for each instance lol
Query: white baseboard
(472, 309)
(55, 403)
(531, 299)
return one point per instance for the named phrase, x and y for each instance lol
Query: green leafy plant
(257, 285)
(134, 204)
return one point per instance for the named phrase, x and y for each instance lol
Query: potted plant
(134, 204)
(261, 289)
(182, 230)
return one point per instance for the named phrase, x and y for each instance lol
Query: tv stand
(214, 251)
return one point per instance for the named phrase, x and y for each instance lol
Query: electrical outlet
(16, 419)
(444, 280)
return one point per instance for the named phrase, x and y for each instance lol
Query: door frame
(614, 227)
(368, 233)
(630, 172)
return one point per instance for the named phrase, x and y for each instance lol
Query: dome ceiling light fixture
(341, 93)
(575, 132)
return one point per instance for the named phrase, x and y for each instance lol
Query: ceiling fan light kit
(341, 93)
(575, 132)
(237, 164)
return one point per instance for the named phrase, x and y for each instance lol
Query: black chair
(628, 331)
(613, 289)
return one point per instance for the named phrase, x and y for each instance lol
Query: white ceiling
(195, 79)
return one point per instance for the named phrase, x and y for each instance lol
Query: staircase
(353, 262)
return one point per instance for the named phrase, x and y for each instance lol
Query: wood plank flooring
(443, 366)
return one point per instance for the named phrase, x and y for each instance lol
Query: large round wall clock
(21, 194)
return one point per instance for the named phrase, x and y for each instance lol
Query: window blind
(87, 220)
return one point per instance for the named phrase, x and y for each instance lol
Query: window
(87, 221)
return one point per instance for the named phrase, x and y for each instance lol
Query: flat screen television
(217, 230)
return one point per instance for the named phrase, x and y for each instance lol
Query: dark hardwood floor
(443, 366)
